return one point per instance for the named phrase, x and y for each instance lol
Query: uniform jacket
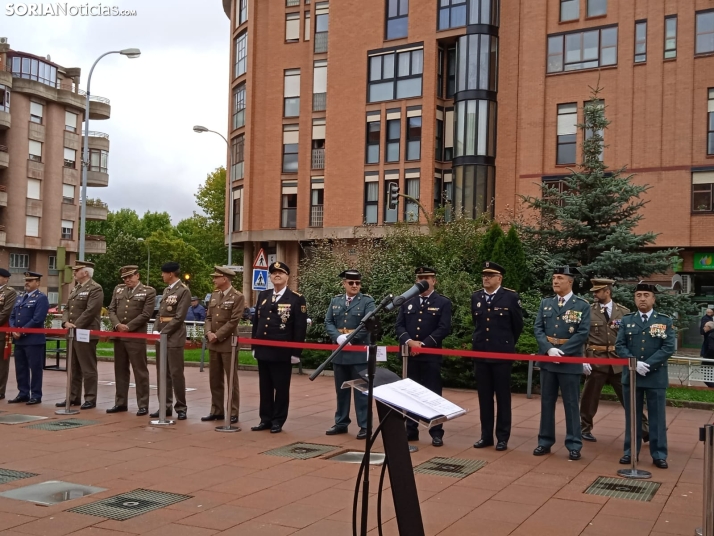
(284, 320)
(222, 318)
(604, 333)
(652, 343)
(571, 322)
(341, 319)
(173, 309)
(8, 295)
(134, 311)
(196, 314)
(84, 306)
(429, 323)
(497, 325)
(30, 311)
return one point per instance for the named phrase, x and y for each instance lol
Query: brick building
(41, 115)
(474, 102)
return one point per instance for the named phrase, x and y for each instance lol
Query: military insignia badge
(658, 331)
(519, 304)
(169, 308)
(571, 330)
(276, 265)
(303, 309)
(263, 302)
(410, 307)
(572, 317)
(477, 305)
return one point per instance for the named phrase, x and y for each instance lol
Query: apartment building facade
(470, 102)
(41, 115)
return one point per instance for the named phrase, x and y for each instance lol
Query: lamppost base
(161, 423)
(66, 412)
(228, 428)
(638, 474)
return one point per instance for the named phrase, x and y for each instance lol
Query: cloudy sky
(156, 161)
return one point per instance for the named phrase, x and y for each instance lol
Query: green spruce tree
(509, 253)
(488, 244)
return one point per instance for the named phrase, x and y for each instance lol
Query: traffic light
(393, 195)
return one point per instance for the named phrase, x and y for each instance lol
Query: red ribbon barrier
(98, 333)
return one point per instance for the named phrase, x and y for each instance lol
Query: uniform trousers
(175, 381)
(84, 371)
(28, 370)
(128, 352)
(219, 367)
(4, 373)
(345, 373)
(657, 420)
(427, 373)
(494, 379)
(569, 385)
(274, 383)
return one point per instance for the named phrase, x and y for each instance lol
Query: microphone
(417, 289)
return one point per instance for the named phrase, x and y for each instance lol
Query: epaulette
(367, 296)
(509, 289)
(621, 307)
(581, 299)
(664, 315)
(297, 293)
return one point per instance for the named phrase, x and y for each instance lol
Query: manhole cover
(67, 424)
(453, 467)
(301, 451)
(7, 475)
(131, 504)
(51, 492)
(14, 418)
(623, 488)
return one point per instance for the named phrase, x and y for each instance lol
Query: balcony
(94, 244)
(35, 169)
(319, 102)
(4, 157)
(97, 179)
(318, 159)
(69, 211)
(3, 196)
(97, 140)
(292, 3)
(3, 235)
(4, 119)
(70, 176)
(96, 210)
(316, 215)
(320, 42)
(99, 108)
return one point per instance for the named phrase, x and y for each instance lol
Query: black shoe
(234, 419)
(362, 434)
(587, 436)
(541, 451)
(482, 443)
(645, 437)
(213, 418)
(64, 403)
(437, 442)
(181, 415)
(142, 412)
(626, 460)
(19, 399)
(336, 430)
(574, 455)
(155, 415)
(2, 397)
(413, 437)
(262, 426)
(88, 405)
(33, 401)
(662, 464)
(502, 445)
(117, 409)
(276, 429)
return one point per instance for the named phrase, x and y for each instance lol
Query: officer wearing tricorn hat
(7, 302)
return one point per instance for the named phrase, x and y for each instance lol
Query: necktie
(275, 297)
(644, 318)
(349, 300)
(607, 315)
(131, 292)
(489, 297)
(561, 301)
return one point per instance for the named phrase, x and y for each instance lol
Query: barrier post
(706, 434)
(68, 402)
(405, 366)
(161, 378)
(229, 409)
(633, 471)
(203, 353)
(529, 387)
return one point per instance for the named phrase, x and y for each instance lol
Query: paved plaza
(235, 489)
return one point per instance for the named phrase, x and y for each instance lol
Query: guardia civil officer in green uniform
(561, 329)
(343, 316)
(649, 336)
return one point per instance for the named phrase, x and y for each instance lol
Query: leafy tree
(167, 247)
(123, 250)
(155, 221)
(211, 196)
(493, 235)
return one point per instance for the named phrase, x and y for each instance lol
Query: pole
(203, 353)
(706, 434)
(163, 375)
(371, 368)
(529, 387)
(68, 402)
(229, 412)
(633, 471)
(230, 204)
(405, 366)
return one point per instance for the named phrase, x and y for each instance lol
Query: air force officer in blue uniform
(30, 311)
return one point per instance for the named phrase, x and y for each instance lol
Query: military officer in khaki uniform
(84, 309)
(130, 311)
(170, 320)
(7, 302)
(222, 317)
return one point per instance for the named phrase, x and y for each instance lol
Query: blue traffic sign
(260, 279)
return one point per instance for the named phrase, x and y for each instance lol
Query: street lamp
(198, 129)
(148, 261)
(129, 53)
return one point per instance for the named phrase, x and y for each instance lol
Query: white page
(381, 353)
(427, 397)
(387, 394)
(82, 335)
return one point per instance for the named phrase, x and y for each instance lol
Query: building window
(292, 27)
(70, 158)
(597, 8)
(290, 148)
(702, 191)
(35, 151)
(670, 37)
(449, 135)
(476, 128)
(450, 72)
(477, 62)
(317, 202)
(395, 75)
(397, 18)
(319, 86)
(371, 201)
(288, 216)
(569, 10)
(36, 112)
(440, 73)
(710, 123)
(4, 98)
(52, 263)
(33, 188)
(239, 106)
(641, 41)
(391, 215)
(411, 208)
(705, 32)
(439, 143)
(322, 24)
(291, 93)
(452, 14)
(32, 69)
(238, 210)
(68, 194)
(32, 226)
(241, 54)
(67, 230)
(242, 12)
(394, 129)
(306, 34)
(554, 187)
(414, 138)
(582, 50)
(98, 160)
(318, 143)
(19, 262)
(443, 189)
(237, 157)
(70, 121)
(53, 297)
(374, 130)
(567, 129)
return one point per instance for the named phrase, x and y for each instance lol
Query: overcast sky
(156, 161)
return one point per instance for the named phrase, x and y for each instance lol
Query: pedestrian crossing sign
(260, 279)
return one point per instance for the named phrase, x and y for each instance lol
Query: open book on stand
(410, 397)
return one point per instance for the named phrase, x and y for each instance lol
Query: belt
(345, 331)
(599, 348)
(166, 318)
(553, 340)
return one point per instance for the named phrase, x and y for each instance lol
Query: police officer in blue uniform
(498, 322)
(344, 315)
(30, 312)
(424, 322)
(649, 336)
(561, 328)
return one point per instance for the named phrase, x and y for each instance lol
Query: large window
(292, 27)
(4, 98)
(710, 122)
(371, 199)
(474, 189)
(397, 18)
(306, 35)
(582, 50)
(68, 194)
(67, 230)
(374, 128)
(414, 138)
(33, 188)
(319, 86)
(241, 12)
(290, 148)
(641, 41)
(705, 32)
(238, 210)
(394, 129)
(597, 8)
(439, 141)
(476, 128)
(239, 106)
(237, 157)
(34, 69)
(411, 208)
(241, 54)
(452, 14)
(317, 202)
(322, 24)
(395, 75)
(569, 10)
(37, 110)
(98, 160)
(19, 262)
(291, 94)
(35, 151)
(318, 143)
(70, 121)
(702, 191)
(288, 204)
(70, 158)
(670, 37)
(52, 264)
(391, 215)
(32, 226)
(450, 72)
(477, 62)
(567, 130)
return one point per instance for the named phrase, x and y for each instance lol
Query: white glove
(294, 360)
(555, 352)
(341, 338)
(642, 368)
(253, 352)
(155, 333)
(587, 369)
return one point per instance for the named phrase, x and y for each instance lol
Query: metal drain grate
(453, 467)
(7, 475)
(131, 504)
(623, 488)
(301, 451)
(67, 424)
